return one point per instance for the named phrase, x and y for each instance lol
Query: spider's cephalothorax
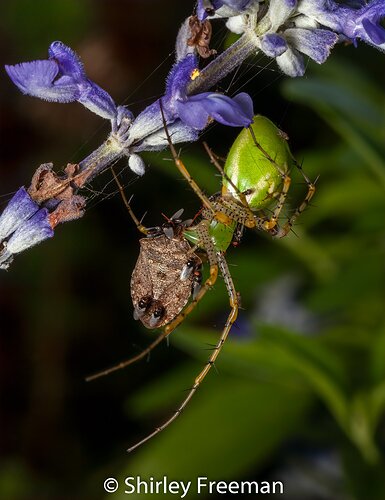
(166, 274)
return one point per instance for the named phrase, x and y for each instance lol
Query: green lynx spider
(254, 177)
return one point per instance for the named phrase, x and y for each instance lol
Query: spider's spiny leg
(137, 222)
(266, 154)
(182, 169)
(309, 195)
(210, 281)
(199, 379)
(233, 211)
(214, 160)
(241, 195)
(271, 223)
(130, 361)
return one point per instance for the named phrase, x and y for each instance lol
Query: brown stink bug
(166, 274)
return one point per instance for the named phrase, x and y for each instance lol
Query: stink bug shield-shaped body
(163, 279)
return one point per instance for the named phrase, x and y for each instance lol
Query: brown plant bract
(59, 192)
(200, 37)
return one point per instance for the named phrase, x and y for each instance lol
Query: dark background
(299, 392)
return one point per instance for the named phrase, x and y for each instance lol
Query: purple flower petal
(354, 23)
(31, 232)
(273, 45)
(291, 62)
(62, 79)
(192, 111)
(97, 100)
(230, 112)
(207, 8)
(314, 43)
(236, 112)
(37, 78)
(68, 61)
(20, 207)
(375, 33)
(364, 23)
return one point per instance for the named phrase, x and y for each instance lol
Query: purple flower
(191, 113)
(62, 78)
(196, 110)
(315, 43)
(22, 225)
(364, 24)
(31, 232)
(273, 45)
(353, 23)
(291, 35)
(20, 208)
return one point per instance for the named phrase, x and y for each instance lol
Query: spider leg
(218, 166)
(234, 304)
(209, 283)
(137, 222)
(270, 223)
(130, 361)
(183, 170)
(266, 154)
(170, 327)
(284, 230)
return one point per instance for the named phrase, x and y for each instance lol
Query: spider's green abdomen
(255, 171)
